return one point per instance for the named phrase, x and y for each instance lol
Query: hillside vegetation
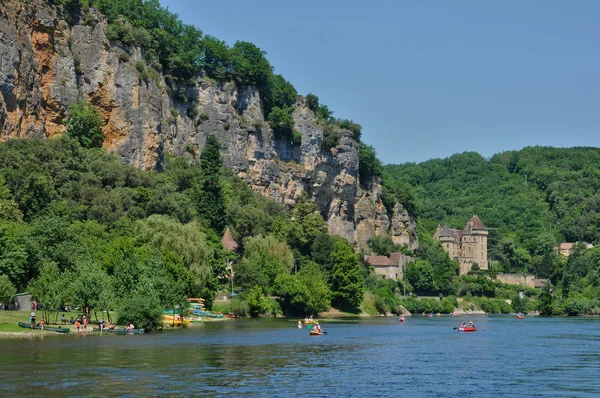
(531, 200)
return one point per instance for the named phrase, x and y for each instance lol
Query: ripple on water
(373, 357)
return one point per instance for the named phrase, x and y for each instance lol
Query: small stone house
(391, 267)
(565, 249)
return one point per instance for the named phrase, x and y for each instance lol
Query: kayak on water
(467, 329)
(520, 317)
(315, 333)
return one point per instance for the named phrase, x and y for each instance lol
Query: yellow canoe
(168, 320)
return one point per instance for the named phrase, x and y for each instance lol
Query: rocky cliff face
(47, 64)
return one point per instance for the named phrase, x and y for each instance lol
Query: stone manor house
(468, 246)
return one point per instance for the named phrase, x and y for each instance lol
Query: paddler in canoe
(317, 328)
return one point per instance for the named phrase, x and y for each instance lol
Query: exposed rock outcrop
(47, 64)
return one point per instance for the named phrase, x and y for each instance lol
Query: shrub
(312, 101)
(203, 117)
(330, 139)
(257, 125)
(85, 125)
(257, 303)
(140, 66)
(90, 19)
(239, 307)
(355, 128)
(380, 305)
(192, 111)
(144, 312)
(296, 138)
(123, 57)
(368, 164)
(323, 113)
(282, 122)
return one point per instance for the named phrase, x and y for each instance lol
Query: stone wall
(517, 279)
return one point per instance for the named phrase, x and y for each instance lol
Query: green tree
(257, 303)
(281, 94)
(347, 277)
(187, 242)
(48, 289)
(305, 293)
(91, 289)
(85, 125)
(382, 245)
(9, 210)
(207, 193)
(368, 164)
(312, 101)
(264, 259)
(545, 299)
(249, 66)
(143, 310)
(7, 291)
(282, 122)
(321, 251)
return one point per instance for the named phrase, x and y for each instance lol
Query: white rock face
(46, 64)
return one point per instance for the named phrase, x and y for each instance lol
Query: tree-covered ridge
(524, 194)
(569, 179)
(531, 200)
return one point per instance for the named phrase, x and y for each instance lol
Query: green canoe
(48, 328)
(120, 331)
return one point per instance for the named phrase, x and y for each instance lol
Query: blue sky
(427, 79)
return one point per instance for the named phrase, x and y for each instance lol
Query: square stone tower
(467, 246)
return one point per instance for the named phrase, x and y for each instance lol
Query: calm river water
(368, 357)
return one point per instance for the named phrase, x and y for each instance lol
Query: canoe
(520, 317)
(121, 331)
(168, 320)
(309, 322)
(207, 314)
(467, 329)
(315, 333)
(48, 328)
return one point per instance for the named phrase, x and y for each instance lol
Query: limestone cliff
(47, 63)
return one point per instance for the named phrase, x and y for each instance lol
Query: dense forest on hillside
(531, 200)
(77, 226)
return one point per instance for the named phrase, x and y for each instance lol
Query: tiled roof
(476, 223)
(228, 241)
(446, 231)
(566, 246)
(377, 261)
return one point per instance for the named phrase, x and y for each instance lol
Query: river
(423, 357)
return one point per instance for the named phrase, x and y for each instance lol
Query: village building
(468, 246)
(391, 267)
(565, 249)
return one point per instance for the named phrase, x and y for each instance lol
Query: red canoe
(467, 329)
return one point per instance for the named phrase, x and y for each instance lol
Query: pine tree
(208, 195)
